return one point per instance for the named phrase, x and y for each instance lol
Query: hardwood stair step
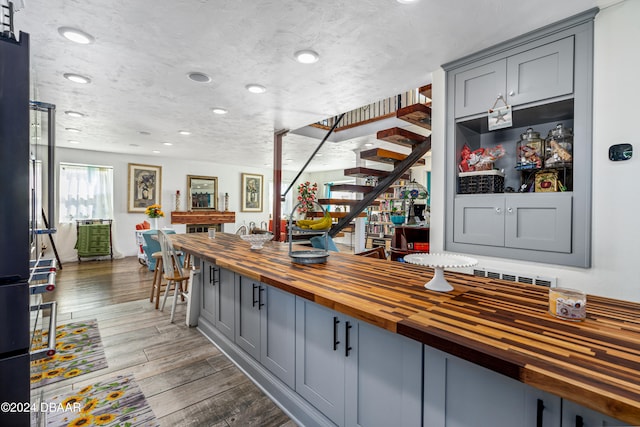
(401, 136)
(339, 202)
(385, 156)
(361, 172)
(334, 214)
(353, 188)
(417, 114)
(425, 91)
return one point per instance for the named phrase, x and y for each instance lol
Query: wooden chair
(175, 276)
(377, 252)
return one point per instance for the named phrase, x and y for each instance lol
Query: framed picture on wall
(145, 186)
(252, 189)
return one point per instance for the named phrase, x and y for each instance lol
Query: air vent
(513, 277)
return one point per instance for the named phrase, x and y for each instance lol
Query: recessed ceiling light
(368, 144)
(255, 88)
(167, 143)
(184, 132)
(74, 142)
(76, 35)
(288, 160)
(319, 155)
(218, 110)
(74, 130)
(407, 1)
(77, 78)
(74, 114)
(306, 56)
(156, 152)
(199, 77)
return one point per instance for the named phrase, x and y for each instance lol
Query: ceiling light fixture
(199, 77)
(407, 1)
(74, 130)
(167, 143)
(74, 114)
(184, 132)
(218, 110)
(306, 56)
(156, 152)
(74, 142)
(75, 35)
(368, 144)
(77, 78)
(255, 88)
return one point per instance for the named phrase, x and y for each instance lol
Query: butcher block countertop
(503, 326)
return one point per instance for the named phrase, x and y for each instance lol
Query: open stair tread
(339, 202)
(417, 114)
(426, 92)
(353, 188)
(386, 156)
(334, 214)
(401, 136)
(362, 172)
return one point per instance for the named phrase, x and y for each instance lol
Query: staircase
(418, 114)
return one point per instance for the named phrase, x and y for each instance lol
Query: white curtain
(85, 192)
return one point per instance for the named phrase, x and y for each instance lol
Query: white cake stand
(439, 262)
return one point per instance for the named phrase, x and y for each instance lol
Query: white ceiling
(144, 49)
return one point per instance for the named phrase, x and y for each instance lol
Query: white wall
(616, 197)
(174, 177)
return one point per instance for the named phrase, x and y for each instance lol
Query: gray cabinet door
(458, 393)
(541, 73)
(383, 380)
(208, 291)
(320, 358)
(247, 324)
(477, 89)
(277, 325)
(479, 220)
(540, 222)
(574, 415)
(225, 303)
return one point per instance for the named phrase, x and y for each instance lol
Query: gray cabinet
(536, 74)
(547, 77)
(356, 374)
(209, 279)
(458, 393)
(574, 415)
(540, 222)
(265, 327)
(225, 302)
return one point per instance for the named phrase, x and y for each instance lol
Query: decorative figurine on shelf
(226, 202)
(178, 201)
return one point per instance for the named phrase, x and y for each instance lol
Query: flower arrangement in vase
(154, 212)
(306, 196)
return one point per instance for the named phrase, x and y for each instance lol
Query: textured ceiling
(144, 49)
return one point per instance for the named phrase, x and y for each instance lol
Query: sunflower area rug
(113, 402)
(78, 351)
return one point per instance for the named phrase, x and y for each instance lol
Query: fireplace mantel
(203, 217)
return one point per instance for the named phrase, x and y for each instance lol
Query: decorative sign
(500, 117)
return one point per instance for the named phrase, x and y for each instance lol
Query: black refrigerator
(15, 233)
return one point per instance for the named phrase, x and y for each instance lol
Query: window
(86, 191)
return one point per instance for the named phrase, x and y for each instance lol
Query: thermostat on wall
(619, 152)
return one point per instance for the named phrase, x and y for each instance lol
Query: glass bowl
(257, 240)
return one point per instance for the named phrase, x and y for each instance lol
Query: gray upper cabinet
(547, 78)
(540, 73)
(533, 75)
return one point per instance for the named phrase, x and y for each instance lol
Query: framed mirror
(203, 192)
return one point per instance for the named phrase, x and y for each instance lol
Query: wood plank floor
(184, 377)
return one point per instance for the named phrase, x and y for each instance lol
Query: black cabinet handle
(212, 275)
(260, 303)
(253, 294)
(579, 421)
(539, 413)
(211, 281)
(347, 347)
(335, 333)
